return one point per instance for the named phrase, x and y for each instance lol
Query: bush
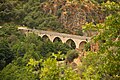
(87, 47)
(71, 55)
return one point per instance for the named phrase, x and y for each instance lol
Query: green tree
(6, 11)
(104, 64)
(51, 70)
(6, 55)
(36, 18)
(71, 55)
(8, 37)
(16, 71)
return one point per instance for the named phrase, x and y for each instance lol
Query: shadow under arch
(71, 43)
(57, 39)
(45, 38)
(82, 45)
(39, 37)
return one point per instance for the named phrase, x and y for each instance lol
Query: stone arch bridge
(79, 41)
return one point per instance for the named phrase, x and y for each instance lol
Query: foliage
(33, 16)
(59, 46)
(16, 72)
(29, 58)
(14, 44)
(71, 55)
(52, 71)
(58, 56)
(9, 29)
(8, 37)
(110, 7)
(29, 45)
(6, 11)
(6, 55)
(87, 46)
(29, 13)
(104, 64)
(34, 65)
(48, 69)
(48, 47)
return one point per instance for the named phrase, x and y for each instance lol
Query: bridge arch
(71, 43)
(57, 39)
(82, 45)
(72, 40)
(45, 38)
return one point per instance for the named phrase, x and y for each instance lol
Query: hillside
(31, 48)
(66, 16)
(74, 14)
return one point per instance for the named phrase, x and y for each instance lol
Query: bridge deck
(62, 34)
(56, 33)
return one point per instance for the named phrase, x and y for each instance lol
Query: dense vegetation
(59, 15)
(28, 13)
(104, 64)
(33, 58)
(27, 54)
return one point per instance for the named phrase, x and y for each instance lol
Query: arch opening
(82, 45)
(57, 39)
(71, 43)
(45, 38)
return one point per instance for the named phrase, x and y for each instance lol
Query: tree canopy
(29, 57)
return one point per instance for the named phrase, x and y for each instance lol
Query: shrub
(71, 55)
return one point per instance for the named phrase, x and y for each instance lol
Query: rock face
(74, 14)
